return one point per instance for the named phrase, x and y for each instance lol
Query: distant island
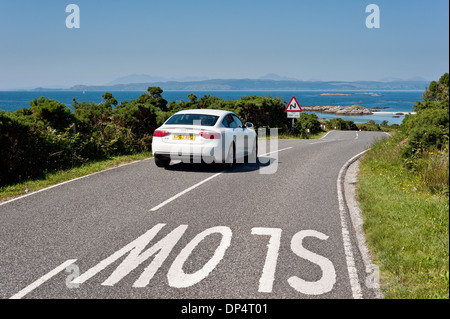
(339, 110)
(258, 85)
(347, 94)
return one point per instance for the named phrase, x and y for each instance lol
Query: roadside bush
(54, 114)
(340, 124)
(307, 120)
(426, 136)
(140, 118)
(428, 129)
(47, 136)
(29, 151)
(263, 111)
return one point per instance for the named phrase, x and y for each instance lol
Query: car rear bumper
(188, 153)
(188, 158)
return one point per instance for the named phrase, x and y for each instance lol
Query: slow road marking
(144, 248)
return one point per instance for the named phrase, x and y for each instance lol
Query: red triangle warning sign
(293, 106)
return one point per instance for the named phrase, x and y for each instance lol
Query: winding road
(269, 230)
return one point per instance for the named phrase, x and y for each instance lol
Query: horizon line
(69, 87)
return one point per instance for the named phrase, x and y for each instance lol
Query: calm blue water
(396, 101)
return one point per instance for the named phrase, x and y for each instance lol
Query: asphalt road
(191, 231)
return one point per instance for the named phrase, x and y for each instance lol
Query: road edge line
(350, 260)
(356, 219)
(362, 249)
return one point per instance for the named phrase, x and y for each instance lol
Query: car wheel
(253, 156)
(231, 158)
(161, 162)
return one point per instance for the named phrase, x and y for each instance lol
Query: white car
(205, 136)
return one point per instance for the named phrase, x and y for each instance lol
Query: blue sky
(308, 40)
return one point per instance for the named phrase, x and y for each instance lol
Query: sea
(388, 103)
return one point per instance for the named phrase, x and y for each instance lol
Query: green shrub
(428, 129)
(426, 136)
(307, 120)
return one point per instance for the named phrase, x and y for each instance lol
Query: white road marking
(325, 135)
(176, 276)
(372, 271)
(43, 279)
(184, 192)
(326, 282)
(201, 183)
(283, 149)
(137, 253)
(320, 142)
(136, 257)
(270, 265)
(69, 181)
(162, 250)
(351, 266)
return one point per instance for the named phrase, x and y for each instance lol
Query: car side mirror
(249, 125)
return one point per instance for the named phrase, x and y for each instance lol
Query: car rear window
(189, 119)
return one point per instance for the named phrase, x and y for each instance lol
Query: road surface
(260, 231)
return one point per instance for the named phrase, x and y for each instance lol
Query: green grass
(406, 223)
(10, 191)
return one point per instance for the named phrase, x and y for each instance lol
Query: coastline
(339, 110)
(399, 101)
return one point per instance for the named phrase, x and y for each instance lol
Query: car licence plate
(189, 137)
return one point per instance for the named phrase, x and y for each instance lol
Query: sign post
(293, 110)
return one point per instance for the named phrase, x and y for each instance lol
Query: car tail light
(160, 133)
(210, 135)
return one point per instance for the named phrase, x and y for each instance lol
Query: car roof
(205, 112)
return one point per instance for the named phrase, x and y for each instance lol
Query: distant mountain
(276, 77)
(135, 78)
(145, 78)
(258, 85)
(413, 79)
(418, 78)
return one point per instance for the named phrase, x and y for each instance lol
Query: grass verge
(10, 191)
(406, 225)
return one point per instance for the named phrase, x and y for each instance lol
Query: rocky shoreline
(339, 110)
(350, 94)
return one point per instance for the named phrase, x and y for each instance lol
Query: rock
(339, 110)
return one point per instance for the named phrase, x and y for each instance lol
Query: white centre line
(43, 279)
(202, 182)
(283, 149)
(184, 192)
(326, 141)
